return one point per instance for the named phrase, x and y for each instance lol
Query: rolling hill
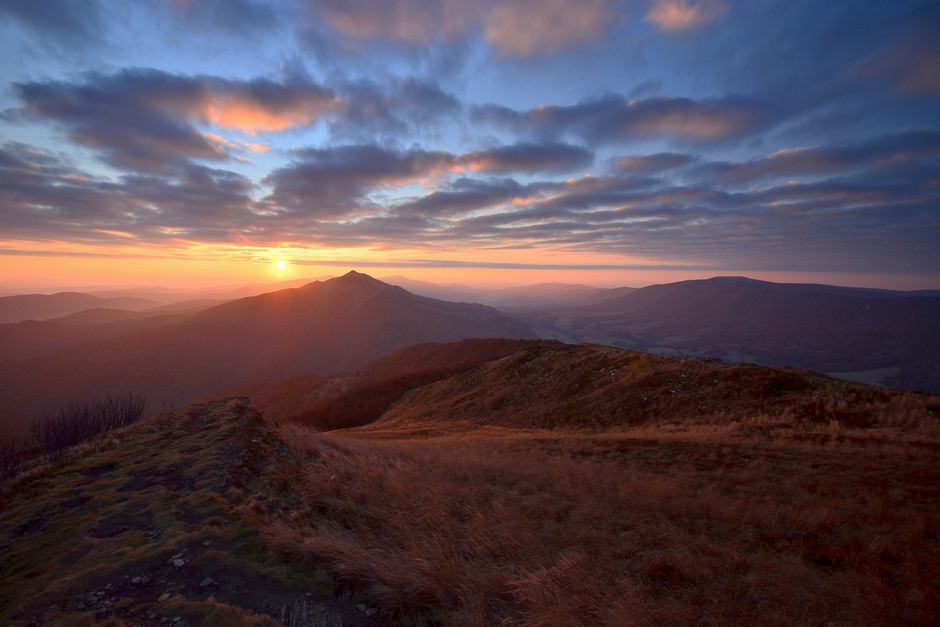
(47, 306)
(891, 336)
(351, 399)
(321, 328)
(597, 388)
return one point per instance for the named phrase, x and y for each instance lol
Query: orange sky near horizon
(38, 273)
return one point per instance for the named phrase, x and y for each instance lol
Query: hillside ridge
(154, 522)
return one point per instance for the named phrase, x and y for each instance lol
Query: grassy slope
(541, 489)
(188, 485)
(355, 398)
(560, 485)
(598, 387)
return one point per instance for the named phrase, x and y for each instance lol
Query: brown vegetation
(598, 388)
(79, 422)
(53, 435)
(352, 400)
(524, 492)
(557, 485)
(151, 523)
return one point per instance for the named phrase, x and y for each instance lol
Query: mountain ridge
(46, 306)
(320, 328)
(816, 327)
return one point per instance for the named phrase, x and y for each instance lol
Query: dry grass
(797, 500)
(594, 388)
(122, 505)
(588, 530)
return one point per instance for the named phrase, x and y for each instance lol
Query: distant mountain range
(320, 328)
(175, 353)
(524, 298)
(45, 307)
(875, 336)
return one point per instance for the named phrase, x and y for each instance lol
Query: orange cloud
(252, 117)
(546, 26)
(411, 21)
(237, 145)
(513, 27)
(255, 106)
(688, 119)
(679, 15)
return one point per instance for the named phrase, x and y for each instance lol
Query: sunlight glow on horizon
(230, 266)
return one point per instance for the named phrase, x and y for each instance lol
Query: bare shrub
(13, 453)
(78, 422)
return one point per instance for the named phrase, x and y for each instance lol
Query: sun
(280, 266)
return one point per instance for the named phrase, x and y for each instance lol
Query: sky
(608, 142)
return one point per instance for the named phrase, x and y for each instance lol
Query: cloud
(589, 192)
(913, 66)
(886, 151)
(73, 20)
(877, 215)
(146, 120)
(243, 17)
(519, 28)
(654, 162)
(537, 27)
(335, 182)
(680, 15)
(613, 118)
(43, 198)
(262, 105)
(528, 157)
(392, 108)
(410, 21)
(201, 204)
(815, 160)
(463, 196)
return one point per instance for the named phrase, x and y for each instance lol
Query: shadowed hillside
(353, 399)
(32, 338)
(320, 328)
(155, 523)
(879, 335)
(44, 307)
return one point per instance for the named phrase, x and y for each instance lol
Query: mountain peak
(357, 278)
(354, 273)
